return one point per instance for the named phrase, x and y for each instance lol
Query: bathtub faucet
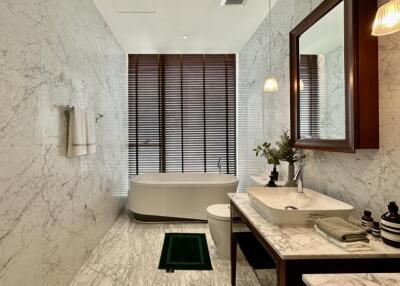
(219, 165)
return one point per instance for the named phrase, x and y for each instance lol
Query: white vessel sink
(285, 206)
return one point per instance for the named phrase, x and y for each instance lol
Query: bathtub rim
(234, 181)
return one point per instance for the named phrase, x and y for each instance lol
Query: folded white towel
(82, 133)
(90, 132)
(77, 133)
(349, 246)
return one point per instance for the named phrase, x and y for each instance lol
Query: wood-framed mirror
(334, 78)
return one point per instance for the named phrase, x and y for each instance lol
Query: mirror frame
(350, 56)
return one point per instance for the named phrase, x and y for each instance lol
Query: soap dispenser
(390, 226)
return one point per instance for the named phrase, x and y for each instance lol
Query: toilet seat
(221, 212)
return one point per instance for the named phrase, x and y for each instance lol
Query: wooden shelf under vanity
(300, 250)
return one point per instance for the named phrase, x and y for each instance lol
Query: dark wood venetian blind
(309, 96)
(182, 113)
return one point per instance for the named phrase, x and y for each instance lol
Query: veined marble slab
(367, 179)
(299, 242)
(54, 210)
(362, 279)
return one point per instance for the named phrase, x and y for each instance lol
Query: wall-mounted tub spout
(219, 165)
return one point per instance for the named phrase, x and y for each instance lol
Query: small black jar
(390, 226)
(367, 221)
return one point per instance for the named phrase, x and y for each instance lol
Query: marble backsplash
(368, 179)
(54, 210)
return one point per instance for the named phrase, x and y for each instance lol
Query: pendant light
(301, 85)
(387, 20)
(270, 84)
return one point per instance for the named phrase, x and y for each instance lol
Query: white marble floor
(129, 255)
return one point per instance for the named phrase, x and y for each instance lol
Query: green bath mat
(185, 251)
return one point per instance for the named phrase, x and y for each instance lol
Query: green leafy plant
(272, 154)
(287, 151)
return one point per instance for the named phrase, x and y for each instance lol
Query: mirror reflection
(322, 80)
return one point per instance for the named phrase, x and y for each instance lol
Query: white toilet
(219, 222)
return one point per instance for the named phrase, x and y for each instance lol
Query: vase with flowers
(272, 155)
(289, 154)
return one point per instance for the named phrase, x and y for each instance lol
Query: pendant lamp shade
(270, 85)
(301, 85)
(387, 20)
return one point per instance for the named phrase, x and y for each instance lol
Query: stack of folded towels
(343, 234)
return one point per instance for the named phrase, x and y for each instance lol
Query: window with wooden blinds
(309, 96)
(182, 113)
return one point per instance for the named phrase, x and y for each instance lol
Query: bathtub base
(154, 219)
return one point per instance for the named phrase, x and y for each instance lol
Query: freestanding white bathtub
(178, 196)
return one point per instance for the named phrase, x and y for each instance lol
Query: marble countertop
(299, 242)
(260, 180)
(362, 279)
(263, 180)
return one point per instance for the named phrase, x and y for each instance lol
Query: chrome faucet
(298, 178)
(219, 165)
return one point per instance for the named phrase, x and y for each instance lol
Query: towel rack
(69, 108)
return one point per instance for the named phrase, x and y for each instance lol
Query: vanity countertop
(361, 279)
(300, 242)
(263, 180)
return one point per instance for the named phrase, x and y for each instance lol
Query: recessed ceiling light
(185, 36)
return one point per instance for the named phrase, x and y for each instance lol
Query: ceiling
(182, 26)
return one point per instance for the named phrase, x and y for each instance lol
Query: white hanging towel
(90, 132)
(77, 142)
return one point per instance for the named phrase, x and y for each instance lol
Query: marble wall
(368, 179)
(54, 210)
(332, 104)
